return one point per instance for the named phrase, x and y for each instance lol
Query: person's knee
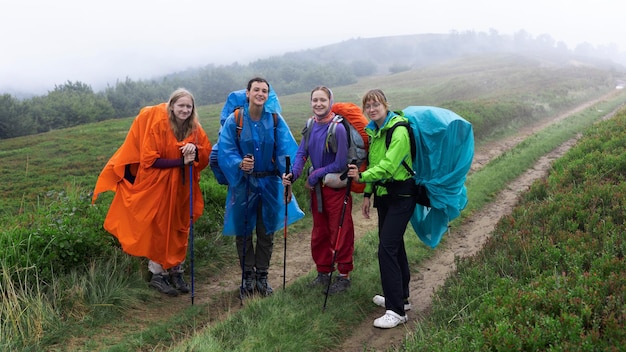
(266, 239)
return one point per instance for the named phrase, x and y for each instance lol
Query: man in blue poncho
(252, 159)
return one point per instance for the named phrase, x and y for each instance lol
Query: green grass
(25, 310)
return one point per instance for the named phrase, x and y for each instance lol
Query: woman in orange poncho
(149, 213)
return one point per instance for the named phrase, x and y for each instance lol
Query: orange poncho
(150, 217)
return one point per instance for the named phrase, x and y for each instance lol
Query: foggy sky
(47, 43)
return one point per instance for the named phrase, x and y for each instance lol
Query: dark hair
(257, 79)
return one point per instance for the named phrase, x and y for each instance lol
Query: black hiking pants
(257, 256)
(394, 214)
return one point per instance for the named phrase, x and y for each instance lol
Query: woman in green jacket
(394, 198)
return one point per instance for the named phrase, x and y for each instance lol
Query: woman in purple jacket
(326, 201)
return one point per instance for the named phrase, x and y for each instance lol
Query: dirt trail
(463, 241)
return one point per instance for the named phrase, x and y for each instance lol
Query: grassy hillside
(496, 92)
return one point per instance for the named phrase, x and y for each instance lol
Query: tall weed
(25, 311)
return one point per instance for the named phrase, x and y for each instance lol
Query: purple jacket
(324, 161)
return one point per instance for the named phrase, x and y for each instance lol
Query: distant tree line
(75, 103)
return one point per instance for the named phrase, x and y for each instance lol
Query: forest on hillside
(73, 103)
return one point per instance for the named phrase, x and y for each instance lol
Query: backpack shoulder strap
(391, 129)
(306, 131)
(331, 143)
(331, 140)
(412, 142)
(238, 121)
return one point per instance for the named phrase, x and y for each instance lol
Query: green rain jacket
(386, 164)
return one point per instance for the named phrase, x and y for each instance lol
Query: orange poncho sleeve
(129, 152)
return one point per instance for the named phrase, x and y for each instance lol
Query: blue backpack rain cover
(444, 144)
(236, 99)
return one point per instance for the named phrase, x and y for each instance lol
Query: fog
(99, 42)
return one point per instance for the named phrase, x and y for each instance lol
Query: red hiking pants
(325, 237)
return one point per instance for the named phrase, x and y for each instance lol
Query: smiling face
(320, 103)
(258, 93)
(182, 108)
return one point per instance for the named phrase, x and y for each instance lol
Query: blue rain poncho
(445, 149)
(236, 99)
(245, 191)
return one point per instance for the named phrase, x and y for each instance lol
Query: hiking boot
(248, 284)
(322, 279)
(380, 301)
(179, 283)
(262, 286)
(162, 284)
(340, 285)
(390, 320)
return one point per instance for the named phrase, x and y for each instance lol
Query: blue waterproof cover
(238, 99)
(445, 149)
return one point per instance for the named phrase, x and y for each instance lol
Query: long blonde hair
(191, 123)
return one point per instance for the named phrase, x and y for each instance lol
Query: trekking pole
(191, 227)
(287, 166)
(343, 212)
(245, 234)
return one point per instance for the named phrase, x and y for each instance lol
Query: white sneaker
(380, 301)
(390, 320)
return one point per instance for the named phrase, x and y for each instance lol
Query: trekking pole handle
(345, 174)
(249, 156)
(287, 172)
